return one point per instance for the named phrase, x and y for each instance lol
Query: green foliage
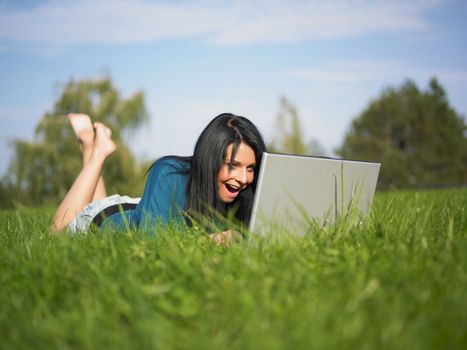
(394, 281)
(419, 139)
(43, 170)
(7, 195)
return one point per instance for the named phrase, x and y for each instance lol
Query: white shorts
(82, 221)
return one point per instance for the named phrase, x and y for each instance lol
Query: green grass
(398, 280)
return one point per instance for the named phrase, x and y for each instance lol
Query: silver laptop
(294, 192)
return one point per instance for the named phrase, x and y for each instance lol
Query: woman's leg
(84, 131)
(82, 190)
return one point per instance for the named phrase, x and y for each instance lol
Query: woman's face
(231, 181)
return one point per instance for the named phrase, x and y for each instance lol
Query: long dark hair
(202, 199)
(209, 155)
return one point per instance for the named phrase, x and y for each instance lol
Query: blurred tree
(7, 195)
(289, 133)
(419, 139)
(289, 136)
(42, 171)
(315, 148)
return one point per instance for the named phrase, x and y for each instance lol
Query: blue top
(163, 199)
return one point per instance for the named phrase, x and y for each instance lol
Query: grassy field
(398, 280)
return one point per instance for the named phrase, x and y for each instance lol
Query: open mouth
(231, 188)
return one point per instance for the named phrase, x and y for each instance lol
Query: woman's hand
(222, 238)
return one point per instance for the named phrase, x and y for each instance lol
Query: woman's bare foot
(103, 144)
(84, 132)
(82, 126)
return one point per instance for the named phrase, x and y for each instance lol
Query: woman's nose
(241, 176)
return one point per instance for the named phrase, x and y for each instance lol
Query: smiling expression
(235, 175)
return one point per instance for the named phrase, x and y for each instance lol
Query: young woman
(218, 179)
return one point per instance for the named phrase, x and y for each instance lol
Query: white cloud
(104, 22)
(348, 72)
(298, 20)
(354, 72)
(452, 76)
(223, 23)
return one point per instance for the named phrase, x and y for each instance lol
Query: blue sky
(196, 59)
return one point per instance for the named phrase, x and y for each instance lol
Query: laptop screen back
(293, 191)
